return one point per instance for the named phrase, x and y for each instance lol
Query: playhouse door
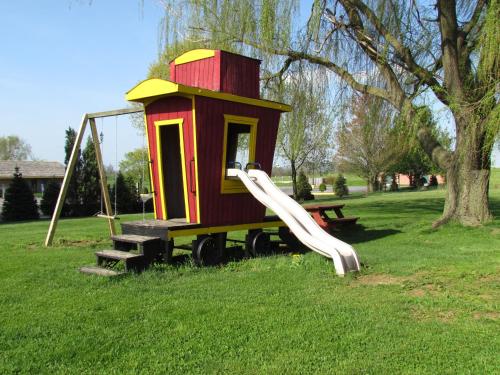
(172, 169)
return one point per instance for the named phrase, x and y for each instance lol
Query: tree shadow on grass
(495, 206)
(359, 234)
(407, 207)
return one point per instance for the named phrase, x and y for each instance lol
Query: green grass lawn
(426, 301)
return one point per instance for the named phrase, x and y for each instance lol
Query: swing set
(107, 213)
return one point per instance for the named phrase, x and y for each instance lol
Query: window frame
(229, 185)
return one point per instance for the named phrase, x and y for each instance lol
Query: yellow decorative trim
(194, 55)
(151, 183)
(236, 186)
(172, 233)
(179, 122)
(198, 217)
(156, 88)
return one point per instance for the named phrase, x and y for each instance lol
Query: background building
(37, 173)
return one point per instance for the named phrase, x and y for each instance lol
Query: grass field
(426, 301)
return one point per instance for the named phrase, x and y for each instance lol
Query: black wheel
(206, 253)
(261, 244)
(290, 240)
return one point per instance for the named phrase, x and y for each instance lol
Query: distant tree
(414, 163)
(433, 181)
(89, 188)
(49, 198)
(340, 186)
(303, 188)
(19, 202)
(365, 143)
(73, 199)
(110, 172)
(127, 200)
(135, 167)
(412, 159)
(14, 148)
(307, 127)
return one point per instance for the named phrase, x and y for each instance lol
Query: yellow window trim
(158, 124)
(230, 186)
(198, 217)
(194, 55)
(228, 228)
(151, 184)
(156, 88)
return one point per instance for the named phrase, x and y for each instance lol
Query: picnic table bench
(319, 214)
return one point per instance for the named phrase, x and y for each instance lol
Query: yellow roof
(194, 55)
(156, 88)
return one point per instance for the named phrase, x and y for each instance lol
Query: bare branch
(469, 26)
(278, 74)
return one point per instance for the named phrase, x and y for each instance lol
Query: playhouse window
(239, 147)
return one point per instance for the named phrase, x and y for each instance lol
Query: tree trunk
(467, 195)
(294, 179)
(372, 186)
(468, 178)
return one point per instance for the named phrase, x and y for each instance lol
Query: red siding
(229, 209)
(200, 73)
(226, 72)
(239, 75)
(166, 109)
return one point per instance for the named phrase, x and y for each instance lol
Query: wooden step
(117, 254)
(100, 271)
(150, 246)
(131, 261)
(134, 238)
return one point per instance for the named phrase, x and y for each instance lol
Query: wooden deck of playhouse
(144, 242)
(169, 229)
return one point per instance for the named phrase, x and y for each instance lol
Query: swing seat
(146, 197)
(108, 217)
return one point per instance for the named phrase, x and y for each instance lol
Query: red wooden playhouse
(211, 142)
(207, 118)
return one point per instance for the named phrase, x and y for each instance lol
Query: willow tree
(447, 50)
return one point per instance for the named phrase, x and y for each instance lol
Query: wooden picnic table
(320, 215)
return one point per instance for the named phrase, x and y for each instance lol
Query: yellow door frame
(151, 181)
(158, 125)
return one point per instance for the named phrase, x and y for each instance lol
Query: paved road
(353, 189)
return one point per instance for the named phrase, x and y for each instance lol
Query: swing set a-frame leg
(69, 172)
(67, 178)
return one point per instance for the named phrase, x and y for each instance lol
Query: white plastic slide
(298, 220)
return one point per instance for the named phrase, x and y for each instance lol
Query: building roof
(32, 169)
(155, 88)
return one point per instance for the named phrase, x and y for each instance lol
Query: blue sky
(62, 58)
